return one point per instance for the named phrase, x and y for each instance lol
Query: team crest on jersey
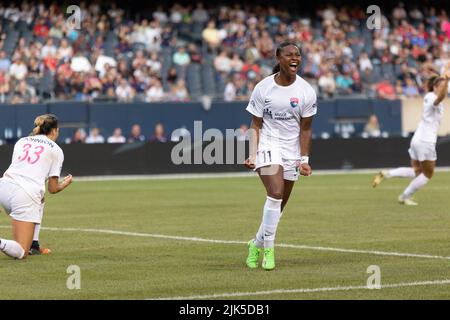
(294, 102)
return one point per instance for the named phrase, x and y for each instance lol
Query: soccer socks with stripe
(12, 248)
(415, 185)
(404, 172)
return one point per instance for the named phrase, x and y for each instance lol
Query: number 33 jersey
(35, 159)
(282, 108)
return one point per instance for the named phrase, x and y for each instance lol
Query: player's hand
(305, 170)
(250, 163)
(446, 72)
(67, 180)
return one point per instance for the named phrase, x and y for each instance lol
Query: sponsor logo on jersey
(294, 102)
(267, 113)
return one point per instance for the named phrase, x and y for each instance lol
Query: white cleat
(406, 201)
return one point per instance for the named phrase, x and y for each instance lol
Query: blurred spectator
(124, 92)
(5, 63)
(178, 92)
(410, 89)
(135, 134)
(155, 91)
(95, 136)
(385, 90)
(327, 84)
(211, 35)
(172, 76)
(372, 128)
(181, 57)
(117, 137)
(79, 136)
(222, 62)
(344, 83)
(158, 135)
(18, 69)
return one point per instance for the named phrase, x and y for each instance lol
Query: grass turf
(341, 211)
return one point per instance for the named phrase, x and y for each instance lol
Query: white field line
(280, 245)
(244, 174)
(313, 290)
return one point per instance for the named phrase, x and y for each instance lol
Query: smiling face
(289, 59)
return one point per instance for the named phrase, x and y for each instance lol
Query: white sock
(37, 230)
(271, 217)
(404, 172)
(12, 248)
(415, 185)
(259, 239)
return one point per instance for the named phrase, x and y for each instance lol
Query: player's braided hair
(282, 45)
(44, 124)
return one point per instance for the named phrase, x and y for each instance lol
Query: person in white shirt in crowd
(117, 137)
(18, 69)
(36, 159)
(95, 136)
(124, 92)
(422, 149)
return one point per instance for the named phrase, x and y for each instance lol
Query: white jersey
(281, 108)
(431, 119)
(35, 159)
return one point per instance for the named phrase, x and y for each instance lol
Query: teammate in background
(422, 150)
(35, 160)
(282, 106)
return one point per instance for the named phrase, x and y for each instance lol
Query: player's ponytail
(44, 124)
(431, 83)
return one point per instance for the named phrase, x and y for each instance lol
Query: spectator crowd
(181, 53)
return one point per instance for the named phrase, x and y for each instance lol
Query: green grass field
(339, 211)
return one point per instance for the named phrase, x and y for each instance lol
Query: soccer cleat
(269, 259)
(253, 255)
(379, 177)
(37, 251)
(406, 201)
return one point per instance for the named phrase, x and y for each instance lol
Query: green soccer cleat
(253, 255)
(269, 259)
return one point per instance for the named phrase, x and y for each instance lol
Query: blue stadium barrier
(222, 115)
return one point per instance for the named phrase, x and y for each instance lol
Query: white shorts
(266, 156)
(18, 204)
(422, 151)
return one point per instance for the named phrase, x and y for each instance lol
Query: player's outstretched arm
(443, 87)
(54, 186)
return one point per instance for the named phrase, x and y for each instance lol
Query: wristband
(304, 159)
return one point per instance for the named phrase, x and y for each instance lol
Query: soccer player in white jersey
(36, 159)
(422, 149)
(283, 106)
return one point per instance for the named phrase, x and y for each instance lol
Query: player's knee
(276, 193)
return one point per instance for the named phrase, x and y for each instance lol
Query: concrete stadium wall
(412, 112)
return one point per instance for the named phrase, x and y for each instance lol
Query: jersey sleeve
(310, 107)
(57, 163)
(256, 103)
(429, 100)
